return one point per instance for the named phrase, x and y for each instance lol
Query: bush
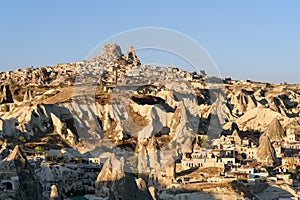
(239, 157)
(60, 156)
(133, 161)
(13, 86)
(50, 157)
(22, 139)
(39, 150)
(245, 180)
(262, 179)
(292, 170)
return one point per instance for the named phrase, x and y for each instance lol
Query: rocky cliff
(50, 101)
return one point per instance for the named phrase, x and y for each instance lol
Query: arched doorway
(179, 181)
(8, 185)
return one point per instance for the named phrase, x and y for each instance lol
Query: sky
(257, 40)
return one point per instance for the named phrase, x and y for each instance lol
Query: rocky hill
(113, 103)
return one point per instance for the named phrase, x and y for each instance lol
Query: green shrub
(39, 149)
(22, 139)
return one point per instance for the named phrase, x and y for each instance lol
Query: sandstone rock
(131, 57)
(4, 151)
(16, 154)
(54, 193)
(61, 129)
(252, 106)
(59, 126)
(265, 151)
(28, 186)
(111, 52)
(5, 95)
(153, 193)
(27, 96)
(71, 137)
(141, 184)
(257, 119)
(275, 131)
(114, 183)
(237, 138)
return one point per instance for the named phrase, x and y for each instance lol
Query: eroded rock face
(131, 57)
(8, 128)
(257, 119)
(265, 151)
(28, 185)
(54, 193)
(113, 182)
(111, 52)
(149, 117)
(4, 151)
(249, 107)
(27, 96)
(5, 95)
(275, 131)
(62, 129)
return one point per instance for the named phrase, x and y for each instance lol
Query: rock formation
(113, 102)
(265, 151)
(5, 95)
(4, 151)
(237, 138)
(131, 57)
(27, 96)
(54, 193)
(61, 129)
(111, 52)
(28, 186)
(275, 131)
(257, 119)
(113, 182)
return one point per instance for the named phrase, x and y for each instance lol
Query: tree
(239, 157)
(60, 156)
(39, 149)
(292, 170)
(50, 157)
(22, 139)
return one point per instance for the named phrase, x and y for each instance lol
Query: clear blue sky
(258, 40)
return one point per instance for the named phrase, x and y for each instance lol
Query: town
(175, 134)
